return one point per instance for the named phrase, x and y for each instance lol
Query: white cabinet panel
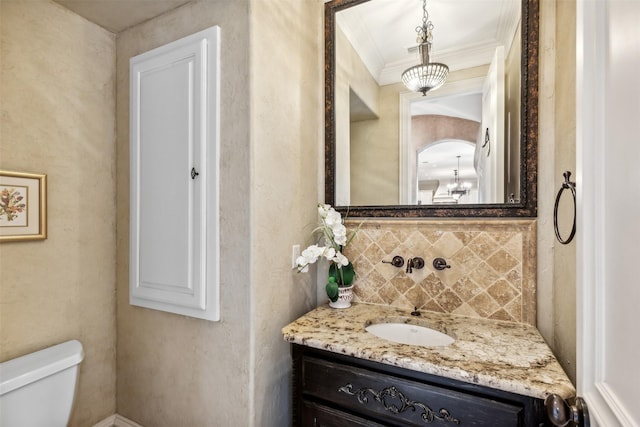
(174, 261)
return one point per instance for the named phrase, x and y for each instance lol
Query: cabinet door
(174, 177)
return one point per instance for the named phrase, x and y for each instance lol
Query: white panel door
(169, 213)
(174, 152)
(608, 161)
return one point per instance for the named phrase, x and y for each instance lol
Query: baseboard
(117, 421)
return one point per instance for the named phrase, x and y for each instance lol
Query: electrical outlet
(295, 253)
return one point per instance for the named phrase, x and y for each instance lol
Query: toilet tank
(38, 389)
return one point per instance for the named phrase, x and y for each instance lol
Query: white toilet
(37, 390)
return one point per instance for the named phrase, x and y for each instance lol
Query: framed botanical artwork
(23, 206)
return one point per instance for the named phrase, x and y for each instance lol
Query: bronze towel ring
(571, 186)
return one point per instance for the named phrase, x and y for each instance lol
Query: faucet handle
(440, 264)
(397, 261)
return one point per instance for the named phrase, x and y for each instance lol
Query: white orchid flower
(333, 218)
(340, 260)
(329, 253)
(309, 256)
(323, 210)
(335, 238)
(340, 234)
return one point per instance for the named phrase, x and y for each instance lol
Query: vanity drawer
(396, 400)
(316, 415)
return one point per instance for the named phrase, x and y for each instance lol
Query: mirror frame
(526, 207)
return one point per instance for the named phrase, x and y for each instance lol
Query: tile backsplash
(492, 274)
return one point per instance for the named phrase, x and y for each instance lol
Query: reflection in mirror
(388, 147)
(437, 184)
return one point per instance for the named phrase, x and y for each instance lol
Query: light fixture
(427, 75)
(458, 189)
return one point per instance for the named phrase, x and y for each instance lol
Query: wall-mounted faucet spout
(416, 263)
(409, 265)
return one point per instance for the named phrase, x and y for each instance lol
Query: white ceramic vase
(345, 296)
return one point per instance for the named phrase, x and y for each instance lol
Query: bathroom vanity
(494, 374)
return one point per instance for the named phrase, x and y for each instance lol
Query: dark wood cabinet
(334, 390)
(318, 415)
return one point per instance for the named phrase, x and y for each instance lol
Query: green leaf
(343, 276)
(332, 289)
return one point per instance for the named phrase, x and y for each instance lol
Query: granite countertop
(503, 355)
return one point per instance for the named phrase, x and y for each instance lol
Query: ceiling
(118, 15)
(465, 34)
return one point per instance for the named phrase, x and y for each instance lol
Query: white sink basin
(405, 333)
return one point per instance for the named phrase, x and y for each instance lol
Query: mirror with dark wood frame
(525, 205)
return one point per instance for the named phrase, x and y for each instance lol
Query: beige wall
(375, 154)
(564, 278)
(57, 109)
(556, 153)
(287, 117)
(174, 370)
(351, 75)
(565, 153)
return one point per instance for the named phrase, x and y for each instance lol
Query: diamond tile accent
(502, 262)
(388, 292)
(402, 283)
(492, 274)
(448, 300)
(466, 288)
(433, 285)
(484, 305)
(464, 237)
(484, 275)
(374, 254)
(501, 315)
(502, 292)
(483, 245)
(362, 265)
(418, 296)
(447, 245)
(388, 242)
(466, 259)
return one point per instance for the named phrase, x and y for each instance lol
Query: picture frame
(23, 206)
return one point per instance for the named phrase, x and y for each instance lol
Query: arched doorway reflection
(441, 179)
